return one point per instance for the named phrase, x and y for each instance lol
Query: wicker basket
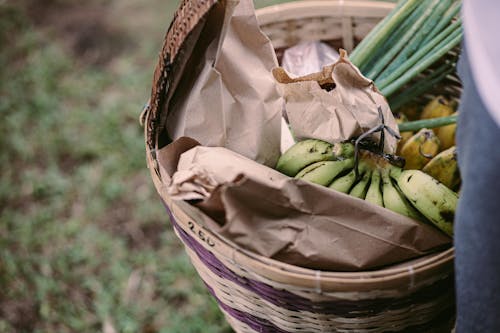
(258, 294)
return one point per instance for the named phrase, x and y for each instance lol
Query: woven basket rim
(310, 8)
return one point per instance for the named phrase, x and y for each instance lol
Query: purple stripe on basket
(257, 324)
(293, 302)
(264, 326)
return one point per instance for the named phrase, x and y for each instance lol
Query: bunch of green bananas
(412, 193)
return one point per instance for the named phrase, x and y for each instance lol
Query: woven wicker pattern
(269, 309)
(341, 24)
(257, 294)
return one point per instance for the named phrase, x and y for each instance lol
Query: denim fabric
(477, 222)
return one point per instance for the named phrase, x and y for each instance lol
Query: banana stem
(413, 126)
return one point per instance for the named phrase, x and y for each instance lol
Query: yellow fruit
(420, 149)
(410, 110)
(454, 104)
(444, 167)
(437, 107)
(446, 135)
(405, 136)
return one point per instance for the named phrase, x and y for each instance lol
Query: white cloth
(482, 35)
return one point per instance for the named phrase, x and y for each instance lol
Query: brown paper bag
(347, 108)
(234, 102)
(292, 220)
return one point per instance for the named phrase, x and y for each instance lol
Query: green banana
(343, 184)
(359, 190)
(394, 199)
(374, 194)
(444, 167)
(431, 198)
(344, 150)
(324, 172)
(309, 151)
(302, 154)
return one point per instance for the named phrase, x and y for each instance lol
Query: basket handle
(144, 113)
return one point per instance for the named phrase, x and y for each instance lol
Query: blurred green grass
(85, 242)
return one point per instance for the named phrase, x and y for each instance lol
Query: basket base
(440, 326)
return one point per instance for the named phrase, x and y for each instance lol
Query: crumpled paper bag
(291, 220)
(234, 102)
(335, 105)
(202, 169)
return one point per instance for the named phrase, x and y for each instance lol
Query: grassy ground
(85, 243)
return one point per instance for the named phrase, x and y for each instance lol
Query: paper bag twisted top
(337, 114)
